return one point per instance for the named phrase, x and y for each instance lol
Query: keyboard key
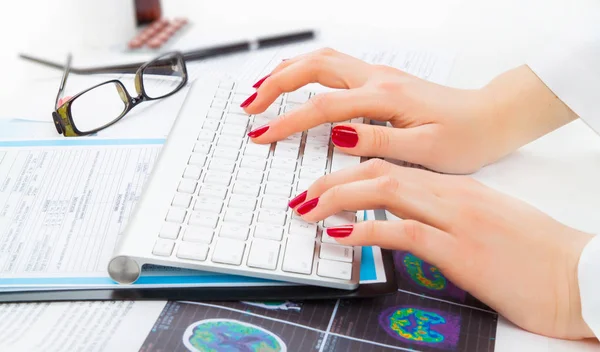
(311, 173)
(210, 204)
(263, 254)
(316, 150)
(298, 96)
(342, 161)
(254, 162)
(235, 131)
(176, 215)
(217, 178)
(275, 217)
(214, 114)
(202, 148)
(247, 188)
(259, 121)
(235, 231)
(206, 136)
(238, 98)
(237, 120)
(242, 202)
(225, 84)
(278, 189)
(342, 218)
(210, 125)
(318, 162)
(224, 165)
(256, 176)
(192, 172)
(333, 269)
(187, 186)
(298, 257)
(281, 176)
(325, 238)
(270, 113)
(197, 159)
(229, 141)
(226, 153)
(239, 216)
(236, 109)
(259, 150)
(213, 190)
(284, 164)
(222, 94)
(274, 202)
(202, 218)
(193, 251)
(294, 139)
(198, 234)
(303, 185)
(229, 251)
(302, 228)
(244, 88)
(268, 232)
(218, 103)
(285, 150)
(181, 200)
(163, 248)
(169, 231)
(337, 252)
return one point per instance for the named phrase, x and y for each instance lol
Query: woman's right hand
(444, 129)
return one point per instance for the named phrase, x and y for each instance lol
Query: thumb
(407, 144)
(426, 242)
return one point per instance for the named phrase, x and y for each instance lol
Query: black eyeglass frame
(63, 120)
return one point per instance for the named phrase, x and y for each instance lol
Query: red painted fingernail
(248, 101)
(308, 206)
(340, 231)
(297, 200)
(258, 132)
(344, 136)
(260, 81)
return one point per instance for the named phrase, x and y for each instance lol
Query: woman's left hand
(509, 255)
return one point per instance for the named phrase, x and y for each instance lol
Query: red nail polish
(260, 81)
(344, 136)
(248, 101)
(297, 200)
(308, 206)
(340, 231)
(258, 132)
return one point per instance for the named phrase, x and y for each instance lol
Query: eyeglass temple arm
(63, 81)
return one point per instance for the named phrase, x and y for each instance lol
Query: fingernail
(248, 101)
(344, 136)
(340, 231)
(258, 132)
(297, 200)
(260, 81)
(308, 206)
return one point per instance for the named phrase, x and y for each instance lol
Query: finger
(368, 170)
(426, 242)
(407, 144)
(333, 71)
(335, 106)
(407, 200)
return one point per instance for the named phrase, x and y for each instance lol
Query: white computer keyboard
(218, 202)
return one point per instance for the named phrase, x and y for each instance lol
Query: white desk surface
(490, 36)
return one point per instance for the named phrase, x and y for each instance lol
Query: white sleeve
(571, 69)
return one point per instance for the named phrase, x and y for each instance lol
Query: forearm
(523, 108)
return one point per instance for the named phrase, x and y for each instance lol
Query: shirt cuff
(570, 68)
(589, 284)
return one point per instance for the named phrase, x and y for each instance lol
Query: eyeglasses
(102, 105)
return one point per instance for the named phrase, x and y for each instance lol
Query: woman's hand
(445, 129)
(512, 257)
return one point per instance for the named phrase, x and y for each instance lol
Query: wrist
(522, 109)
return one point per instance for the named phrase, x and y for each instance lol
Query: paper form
(76, 326)
(64, 203)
